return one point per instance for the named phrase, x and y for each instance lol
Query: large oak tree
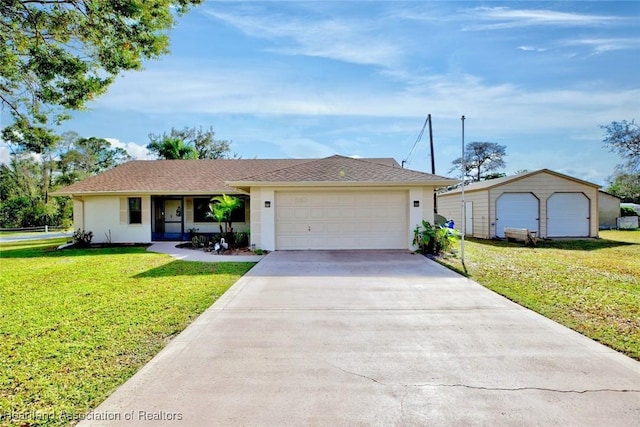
(481, 160)
(189, 143)
(624, 138)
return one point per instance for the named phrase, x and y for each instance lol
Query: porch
(178, 218)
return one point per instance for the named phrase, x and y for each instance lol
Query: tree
(626, 186)
(80, 157)
(24, 201)
(56, 55)
(494, 175)
(624, 138)
(201, 140)
(25, 182)
(481, 159)
(172, 148)
(221, 207)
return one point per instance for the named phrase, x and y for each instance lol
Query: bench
(521, 235)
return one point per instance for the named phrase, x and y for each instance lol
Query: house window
(135, 210)
(201, 208)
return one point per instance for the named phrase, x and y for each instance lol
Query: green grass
(591, 286)
(75, 324)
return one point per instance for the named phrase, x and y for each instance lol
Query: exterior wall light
(416, 203)
(267, 204)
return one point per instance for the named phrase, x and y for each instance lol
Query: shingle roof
(491, 183)
(228, 175)
(175, 176)
(342, 169)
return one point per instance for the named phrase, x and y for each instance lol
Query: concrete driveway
(374, 338)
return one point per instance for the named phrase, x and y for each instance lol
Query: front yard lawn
(591, 286)
(75, 324)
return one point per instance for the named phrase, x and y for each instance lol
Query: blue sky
(312, 79)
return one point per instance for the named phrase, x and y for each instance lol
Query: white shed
(548, 203)
(608, 210)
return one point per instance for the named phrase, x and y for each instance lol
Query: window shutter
(123, 210)
(146, 210)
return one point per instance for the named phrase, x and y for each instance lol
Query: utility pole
(433, 163)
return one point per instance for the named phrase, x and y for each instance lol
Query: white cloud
(532, 49)
(228, 91)
(304, 148)
(512, 18)
(602, 45)
(349, 40)
(137, 151)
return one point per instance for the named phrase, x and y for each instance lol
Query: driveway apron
(373, 338)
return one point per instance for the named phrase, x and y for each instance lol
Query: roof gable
(492, 183)
(340, 169)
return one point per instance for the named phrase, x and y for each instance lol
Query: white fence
(628, 222)
(43, 229)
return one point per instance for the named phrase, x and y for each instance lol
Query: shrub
(82, 238)
(433, 240)
(241, 239)
(628, 211)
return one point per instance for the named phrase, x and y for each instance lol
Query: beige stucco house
(331, 203)
(548, 203)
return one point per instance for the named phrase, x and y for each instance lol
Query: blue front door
(168, 221)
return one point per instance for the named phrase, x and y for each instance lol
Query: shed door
(341, 220)
(517, 210)
(568, 215)
(468, 218)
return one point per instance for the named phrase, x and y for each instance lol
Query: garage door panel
(365, 226)
(336, 220)
(517, 210)
(316, 213)
(285, 212)
(299, 227)
(363, 213)
(332, 213)
(348, 212)
(568, 215)
(380, 214)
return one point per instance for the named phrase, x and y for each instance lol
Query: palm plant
(220, 209)
(173, 148)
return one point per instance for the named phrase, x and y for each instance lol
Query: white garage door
(568, 215)
(518, 210)
(341, 220)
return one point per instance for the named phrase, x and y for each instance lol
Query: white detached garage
(546, 202)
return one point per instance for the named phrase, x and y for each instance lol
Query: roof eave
(245, 185)
(147, 193)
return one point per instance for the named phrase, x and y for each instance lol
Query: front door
(168, 221)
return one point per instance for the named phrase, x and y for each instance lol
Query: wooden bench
(521, 235)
